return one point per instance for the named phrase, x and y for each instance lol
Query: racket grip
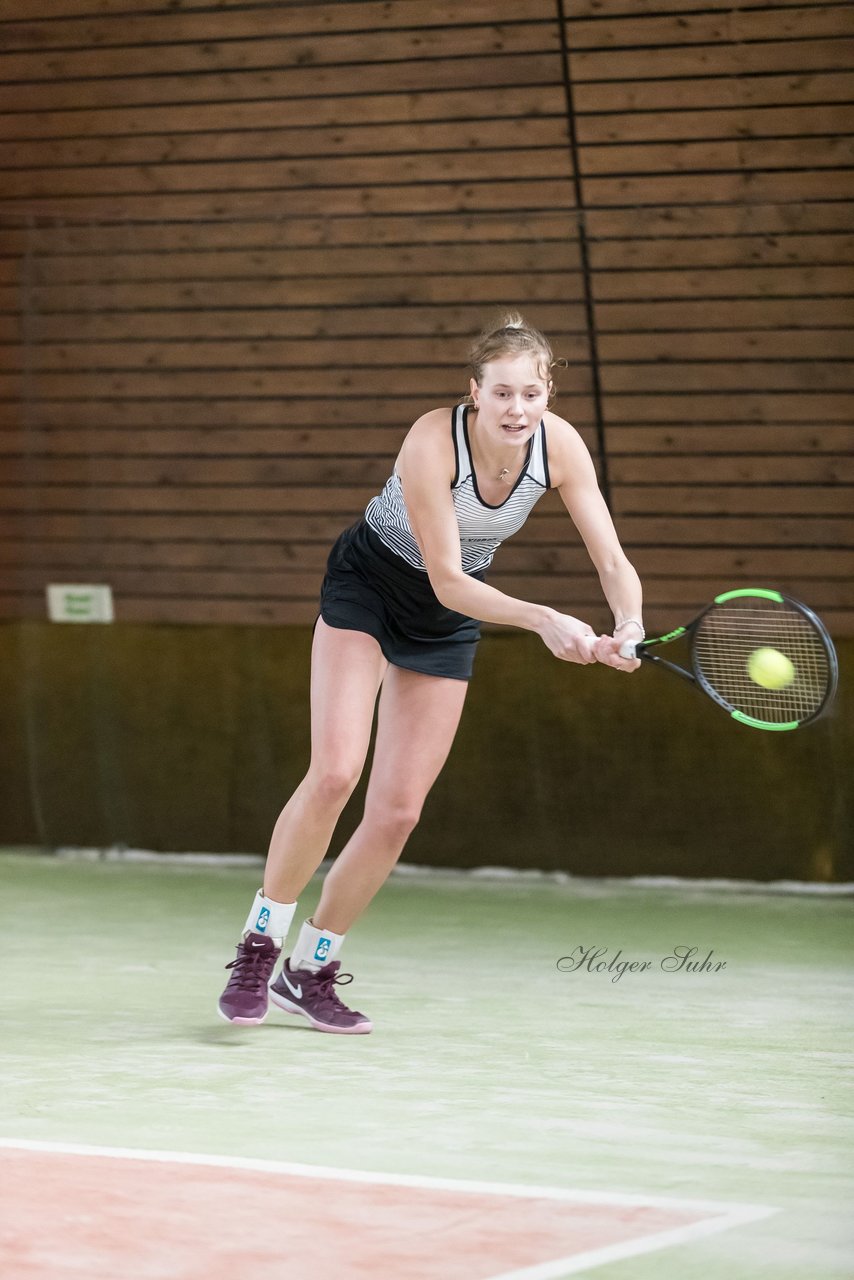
(628, 649)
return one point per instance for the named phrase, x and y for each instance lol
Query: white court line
(726, 1215)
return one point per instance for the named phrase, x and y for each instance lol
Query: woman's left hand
(607, 651)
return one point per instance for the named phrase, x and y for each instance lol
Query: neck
(499, 464)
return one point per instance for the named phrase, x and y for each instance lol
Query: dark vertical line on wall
(586, 275)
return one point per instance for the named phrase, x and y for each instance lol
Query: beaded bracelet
(637, 622)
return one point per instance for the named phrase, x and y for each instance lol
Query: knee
(331, 784)
(395, 820)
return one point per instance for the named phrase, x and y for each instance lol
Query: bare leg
(346, 670)
(418, 718)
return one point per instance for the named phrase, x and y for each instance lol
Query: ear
(473, 389)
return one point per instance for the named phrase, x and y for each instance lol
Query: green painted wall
(191, 738)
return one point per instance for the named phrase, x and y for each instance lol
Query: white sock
(315, 947)
(273, 919)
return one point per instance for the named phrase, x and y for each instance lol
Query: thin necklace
(505, 471)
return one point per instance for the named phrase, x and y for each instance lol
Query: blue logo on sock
(263, 920)
(322, 949)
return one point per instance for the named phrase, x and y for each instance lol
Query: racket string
(728, 635)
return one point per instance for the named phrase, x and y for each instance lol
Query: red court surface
(103, 1216)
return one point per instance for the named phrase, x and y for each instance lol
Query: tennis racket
(727, 645)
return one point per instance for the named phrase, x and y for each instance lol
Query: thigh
(416, 725)
(347, 668)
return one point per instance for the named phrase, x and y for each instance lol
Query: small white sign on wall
(79, 602)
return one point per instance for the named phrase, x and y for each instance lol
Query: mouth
(514, 427)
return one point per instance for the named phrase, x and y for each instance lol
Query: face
(511, 399)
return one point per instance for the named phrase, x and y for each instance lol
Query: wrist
(625, 628)
(538, 618)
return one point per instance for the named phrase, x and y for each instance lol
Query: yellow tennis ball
(770, 668)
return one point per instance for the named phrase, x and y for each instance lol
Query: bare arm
(575, 478)
(426, 469)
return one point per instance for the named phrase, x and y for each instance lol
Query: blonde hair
(511, 335)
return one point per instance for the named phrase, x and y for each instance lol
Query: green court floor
(489, 1061)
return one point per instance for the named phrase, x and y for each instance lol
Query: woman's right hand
(568, 638)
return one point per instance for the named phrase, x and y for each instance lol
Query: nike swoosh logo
(295, 991)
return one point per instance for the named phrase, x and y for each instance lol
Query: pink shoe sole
(285, 1006)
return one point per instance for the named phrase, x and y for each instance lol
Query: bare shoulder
(429, 437)
(569, 457)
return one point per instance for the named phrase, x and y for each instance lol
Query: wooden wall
(245, 244)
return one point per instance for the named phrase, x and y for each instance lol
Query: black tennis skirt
(369, 588)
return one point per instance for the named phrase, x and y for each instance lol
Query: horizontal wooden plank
(459, 102)
(701, 499)
(282, 583)
(117, 21)
(234, 85)
(727, 282)
(320, 353)
(733, 438)
(418, 198)
(283, 232)
(764, 469)
(727, 188)
(609, 9)
(292, 263)
(288, 143)
(31, 443)
(348, 502)
(712, 91)
(779, 121)
(179, 472)
(378, 324)
(733, 375)
(718, 26)
(723, 59)
(303, 291)
(284, 175)
(92, 557)
(693, 221)
(744, 406)
(714, 156)
(708, 315)
(742, 531)
(742, 344)
(645, 254)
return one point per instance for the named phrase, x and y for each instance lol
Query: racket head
(738, 623)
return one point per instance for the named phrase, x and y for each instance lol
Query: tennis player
(401, 604)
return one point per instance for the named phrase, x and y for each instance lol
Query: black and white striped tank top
(482, 527)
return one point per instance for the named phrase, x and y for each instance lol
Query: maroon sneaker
(314, 996)
(244, 1000)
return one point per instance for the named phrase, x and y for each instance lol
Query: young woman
(400, 610)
